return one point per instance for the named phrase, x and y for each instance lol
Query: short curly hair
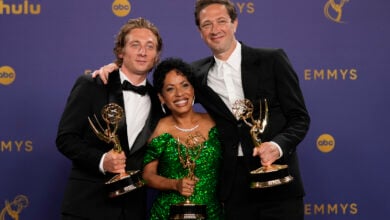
(167, 65)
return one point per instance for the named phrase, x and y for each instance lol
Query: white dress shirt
(136, 108)
(225, 79)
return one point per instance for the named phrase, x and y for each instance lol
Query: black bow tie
(126, 85)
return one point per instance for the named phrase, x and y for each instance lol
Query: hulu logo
(24, 8)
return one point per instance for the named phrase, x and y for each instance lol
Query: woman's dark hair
(166, 66)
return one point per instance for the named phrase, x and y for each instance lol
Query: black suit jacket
(266, 73)
(85, 193)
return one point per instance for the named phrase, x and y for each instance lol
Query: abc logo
(121, 8)
(7, 75)
(325, 143)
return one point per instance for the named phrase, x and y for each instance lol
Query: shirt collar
(234, 59)
(123, 77)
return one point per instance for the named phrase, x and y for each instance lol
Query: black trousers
(242, 205)
(129, 206)
(123, 216)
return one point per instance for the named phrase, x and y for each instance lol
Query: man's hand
(268, 153)
(104, 71)
(114, 162)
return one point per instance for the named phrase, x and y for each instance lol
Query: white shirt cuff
(279, 148)
(101, 164)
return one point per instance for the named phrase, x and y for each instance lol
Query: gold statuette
(262, 177)
(188, 154)
(125, 182)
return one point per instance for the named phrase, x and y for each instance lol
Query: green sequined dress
(165, 149)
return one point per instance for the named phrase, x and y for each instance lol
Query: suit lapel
(150, 121)
(115, 95)
(249, 75)
(211, 100)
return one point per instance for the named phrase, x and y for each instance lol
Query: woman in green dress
(184, 153)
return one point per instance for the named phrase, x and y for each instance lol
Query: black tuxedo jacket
(266, 73)
(85, 193)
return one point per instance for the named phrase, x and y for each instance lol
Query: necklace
(186, 129)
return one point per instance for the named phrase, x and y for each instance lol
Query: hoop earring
(193, 101)
(162, 108)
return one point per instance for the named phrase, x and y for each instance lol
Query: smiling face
(177, 93)
(139, 53)
(217, 30)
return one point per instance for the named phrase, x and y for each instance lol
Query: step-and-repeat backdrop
(339, 49)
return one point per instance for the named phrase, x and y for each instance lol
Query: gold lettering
(353, 209)
(332, 209)
(353, 74)
(18, 9)
(344, 207)
(318, 74)
(250, 8)
(18, 145)
(344, 73)
(319, 209)
(28, 146)
(307, 74)
(4, 7)
(6, 146)
(240, 6)
(25, 6)
(307, 209)
(332, 74)
(35, 11)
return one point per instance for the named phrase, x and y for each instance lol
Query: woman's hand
(186, 186)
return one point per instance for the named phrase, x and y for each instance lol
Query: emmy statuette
(262, 177)
(188, 154)
(125, 182)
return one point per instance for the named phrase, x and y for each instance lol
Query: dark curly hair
(167, 65)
